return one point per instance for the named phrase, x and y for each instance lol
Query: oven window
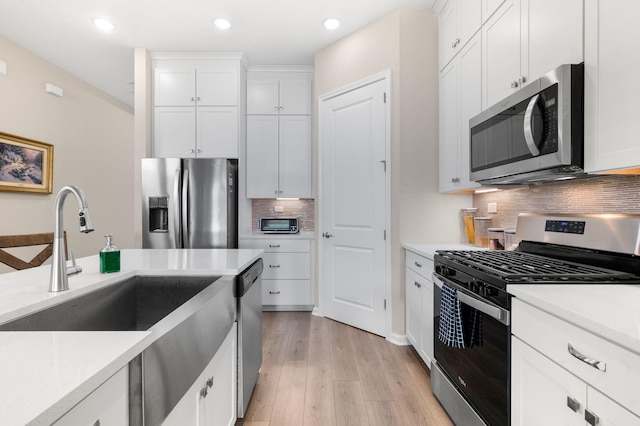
(480, 371)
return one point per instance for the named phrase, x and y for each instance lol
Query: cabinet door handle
(274, 266)
(573, 404)
(591, 418)
(417, 284)
(275, 108)
(274, 292)
(97, 423)
(455, 42)
(600, 365)
(193, 99)
(514, 84)
(210, 382)
(203, 392)
(455, 179)
(419, 265)
(280, 108)
(274, 245)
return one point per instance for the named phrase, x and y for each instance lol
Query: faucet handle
(73, 269)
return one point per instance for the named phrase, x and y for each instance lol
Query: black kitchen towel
(450, 329)
(472, 326)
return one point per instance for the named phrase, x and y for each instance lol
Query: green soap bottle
(109, 257)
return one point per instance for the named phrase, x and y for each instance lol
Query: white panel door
(217, 132)
(353, 197)
(262, 156)
(174, 132)
(295, 157)
(501, 52)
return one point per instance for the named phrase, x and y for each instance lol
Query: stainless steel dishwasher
(249, 300)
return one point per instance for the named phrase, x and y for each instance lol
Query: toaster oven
(278, 225)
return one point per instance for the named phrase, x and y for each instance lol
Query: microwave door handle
(528, 128)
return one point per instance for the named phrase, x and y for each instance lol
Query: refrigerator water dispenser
(158, 214)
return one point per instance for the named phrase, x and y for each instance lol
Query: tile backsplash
(601, 194)
(302, 209)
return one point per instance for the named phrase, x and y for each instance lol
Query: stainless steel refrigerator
(189, 203)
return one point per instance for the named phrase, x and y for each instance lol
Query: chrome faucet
(59, 272)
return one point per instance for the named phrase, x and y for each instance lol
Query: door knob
(327, 235)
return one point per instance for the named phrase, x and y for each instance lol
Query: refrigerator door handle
(185, 209)
(175, 205)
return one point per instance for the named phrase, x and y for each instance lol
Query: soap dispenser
(109, 257)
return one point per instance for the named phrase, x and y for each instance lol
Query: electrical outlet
(278, 209)
(492, 207)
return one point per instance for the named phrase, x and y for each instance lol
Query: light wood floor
(320, 372)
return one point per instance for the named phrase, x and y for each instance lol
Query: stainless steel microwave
(533, 136)
(278, 225)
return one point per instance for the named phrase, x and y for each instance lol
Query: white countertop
(610, 311)
(44, 374)
(429, 250)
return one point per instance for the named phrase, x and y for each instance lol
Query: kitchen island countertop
(44, 374)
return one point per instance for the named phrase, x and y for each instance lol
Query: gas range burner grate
(519, 267)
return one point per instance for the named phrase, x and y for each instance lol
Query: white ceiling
(275, 32)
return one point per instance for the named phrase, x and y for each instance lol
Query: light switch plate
(492, 207)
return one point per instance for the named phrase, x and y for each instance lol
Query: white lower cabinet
(549, 385)
(108, 405)
(211, 400)
(286, 279)
(419, 305)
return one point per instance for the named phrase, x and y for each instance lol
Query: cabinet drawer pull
(274, 266)
(417, 284)
(573, 404)
(274, 292)
(274, 245)
(600, 365)
(591, 418)
(419, 265)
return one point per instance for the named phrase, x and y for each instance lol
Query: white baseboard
(398, 339)
(316, 312)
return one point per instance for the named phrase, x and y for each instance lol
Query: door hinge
(385, 304)
(385, 234)
(384, 97)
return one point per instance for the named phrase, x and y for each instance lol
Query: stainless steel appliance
(472, 379)
(534, 135)
(278, 225)
(189, 203)
(249, 307)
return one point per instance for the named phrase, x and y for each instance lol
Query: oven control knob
(443, 270)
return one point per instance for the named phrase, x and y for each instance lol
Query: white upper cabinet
(196, 107)
(460, 100)
(279, 93)
(458, 21)
(191, 83)
(524, 39)
(489, 7)
(612, 86)
(279, 159)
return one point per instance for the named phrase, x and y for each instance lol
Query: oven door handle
(495, 312)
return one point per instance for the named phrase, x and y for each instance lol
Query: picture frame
(26, 165)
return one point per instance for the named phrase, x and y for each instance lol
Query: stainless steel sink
(132, 305)
(188, 316)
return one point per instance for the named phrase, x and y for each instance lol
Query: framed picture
(25, 165)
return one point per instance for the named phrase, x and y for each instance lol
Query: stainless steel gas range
(471, 370)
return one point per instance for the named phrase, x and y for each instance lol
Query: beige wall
(92, 135)
(405, 42)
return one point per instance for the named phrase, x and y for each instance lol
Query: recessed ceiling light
(331, 23)
(222, 23)
(103, 24)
